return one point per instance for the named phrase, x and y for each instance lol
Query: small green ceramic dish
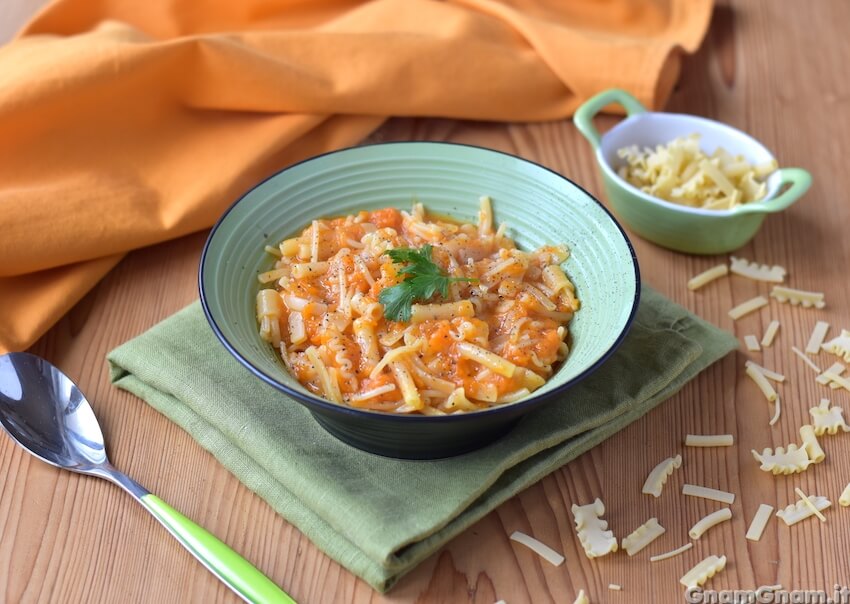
(538, 205)
(671, 225)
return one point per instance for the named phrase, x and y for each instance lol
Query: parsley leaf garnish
(426, 279)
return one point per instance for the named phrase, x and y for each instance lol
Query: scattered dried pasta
(658, 477)
(642, 536)
(770, 333)
(708, 276)
(765, 387)
(615, 587)
(798, 511)
(706, 493)
(703, 571)
(759, 521)
(792, 460)
(798, 297)
(592, 530)
(581, 598)
(713, 519)
(816, 339)
(828, 420)
(671, 554)
(809, 504)
(805, 359)
(811, 444)
(768, 373)
(839, 345)
(776, 412)
(834, 369)
(539, 548)
(837, 379)
(844, 499)
(680, 172)
(752, 343)
(709, 440)
(747, 307)
(757, 272)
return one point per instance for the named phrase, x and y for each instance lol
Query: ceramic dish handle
(584, 115)
(800, 181)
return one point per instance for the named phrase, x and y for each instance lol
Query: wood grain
(772, 68)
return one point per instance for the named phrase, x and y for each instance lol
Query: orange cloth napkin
(126, 123)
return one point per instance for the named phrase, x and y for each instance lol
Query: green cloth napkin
(380, 517)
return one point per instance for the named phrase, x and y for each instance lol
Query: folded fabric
(127, 123)
(380, 517)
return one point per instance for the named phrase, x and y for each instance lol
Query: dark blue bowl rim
(319, 404)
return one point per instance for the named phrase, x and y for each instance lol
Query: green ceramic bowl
(539, 207)
(671, 225)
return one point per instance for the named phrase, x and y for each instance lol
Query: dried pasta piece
(538, 547)
(581, 598)
(798, 297)
(811, 444)
(805, 359)
(713, 519)
(707, 493)
(765, 387)
(671, 554)
(702, 572)
(708, 276)
(770, 333)
(837, 379)
(709, 440)
(792, 460)
(798, 511)
(658, 477)
(816, 339)
(834, 369)
(747, 307)
(757, 272)
(776, 412)
(828, 420)
(642, 536)
(839, 345)
(844, 499)
(752, 343)
(615, 587)
(759, 521)
(809, 504)
(592, 530)
(768, 373)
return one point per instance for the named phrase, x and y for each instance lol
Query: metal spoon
(45, 413)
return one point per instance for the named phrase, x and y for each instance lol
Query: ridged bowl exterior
(539, 207)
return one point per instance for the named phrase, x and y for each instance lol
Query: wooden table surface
(776, 69)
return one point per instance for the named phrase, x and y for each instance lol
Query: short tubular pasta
(713, 519)
(708, 276)
(403, 312)
(811, 444)
(770, 333)
(747, 307)
(642, 536)
(538, 547)
(834, 369)
(765, 387)
(752, 343)
(658, 477)
(709, 440)
(768, 373)
(759, 522)
(844, 499)
(817, 336)
(592, 530)
(693, 490)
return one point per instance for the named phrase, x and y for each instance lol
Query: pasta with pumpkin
(403, 312)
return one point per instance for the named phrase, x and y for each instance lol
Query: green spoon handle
(236, 572)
